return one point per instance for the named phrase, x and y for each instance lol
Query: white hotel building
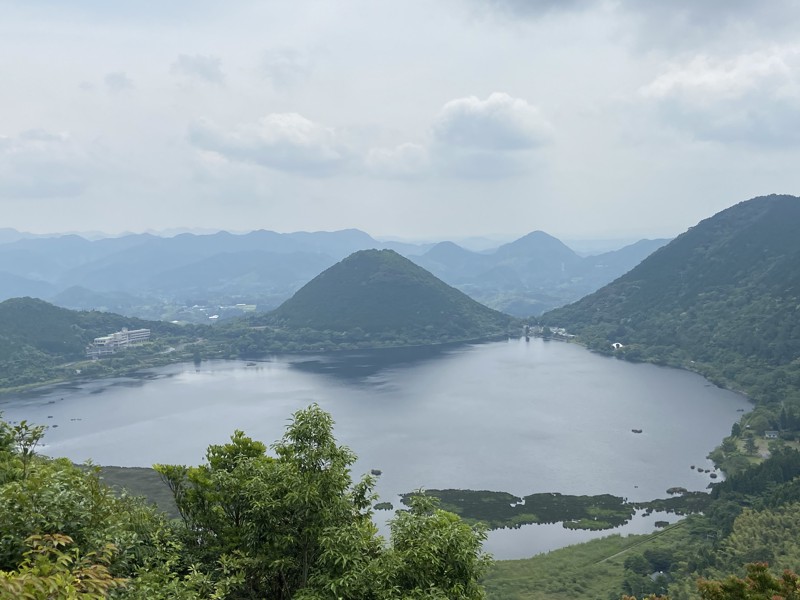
(109, 344)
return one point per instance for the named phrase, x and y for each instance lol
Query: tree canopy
(290, 523)
(295, 525)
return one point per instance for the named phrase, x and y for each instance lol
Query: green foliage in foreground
(292, 524)
(758, 584)
(51, 569)
(60, 524)
(253, 525)
(295, 526)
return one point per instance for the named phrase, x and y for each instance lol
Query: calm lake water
(507, 416)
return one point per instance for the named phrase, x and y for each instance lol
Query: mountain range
(532, 274)
(722, 299)
(145, 275)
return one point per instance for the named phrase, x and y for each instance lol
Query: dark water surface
(507, 416)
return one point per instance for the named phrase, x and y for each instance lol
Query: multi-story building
(109, 344)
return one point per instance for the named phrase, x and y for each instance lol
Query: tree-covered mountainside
(29, 322)
(722, 298)
(382, 296)
(37, 338)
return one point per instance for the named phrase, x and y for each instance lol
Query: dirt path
(649, 539)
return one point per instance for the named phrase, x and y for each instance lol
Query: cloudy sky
(409, 118)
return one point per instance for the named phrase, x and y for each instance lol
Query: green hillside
(37, 339)
(722, 299)
(381, 295)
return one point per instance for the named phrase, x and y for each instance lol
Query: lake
(516, 416)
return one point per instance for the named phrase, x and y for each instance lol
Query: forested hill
(385, 297)
(37, 338)
(60, 332)
(722, 298)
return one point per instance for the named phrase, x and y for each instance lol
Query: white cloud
(751, 98)
(40, 164)
(281, 141)
(471, 138)
(204, 68)
(499, 123)
(703, 78)
(375, 76)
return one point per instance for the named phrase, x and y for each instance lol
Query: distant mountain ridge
(264, 266)
(532, 274)
(723, 298)
(141, 273)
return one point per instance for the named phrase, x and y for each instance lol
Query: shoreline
(681, 367)
(185, 358)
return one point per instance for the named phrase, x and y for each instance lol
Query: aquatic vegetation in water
(498, 510)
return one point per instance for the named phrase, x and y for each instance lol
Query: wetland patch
(496, 510)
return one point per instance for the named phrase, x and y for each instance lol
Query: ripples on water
(517, 417)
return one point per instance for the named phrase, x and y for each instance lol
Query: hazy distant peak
(536, 242)
(350, 234)
(444, 250)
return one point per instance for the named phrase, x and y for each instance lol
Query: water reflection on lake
(507, 416)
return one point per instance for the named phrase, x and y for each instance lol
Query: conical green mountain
(385, 296)
(722, 298)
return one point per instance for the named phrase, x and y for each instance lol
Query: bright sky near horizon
(415, 119)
